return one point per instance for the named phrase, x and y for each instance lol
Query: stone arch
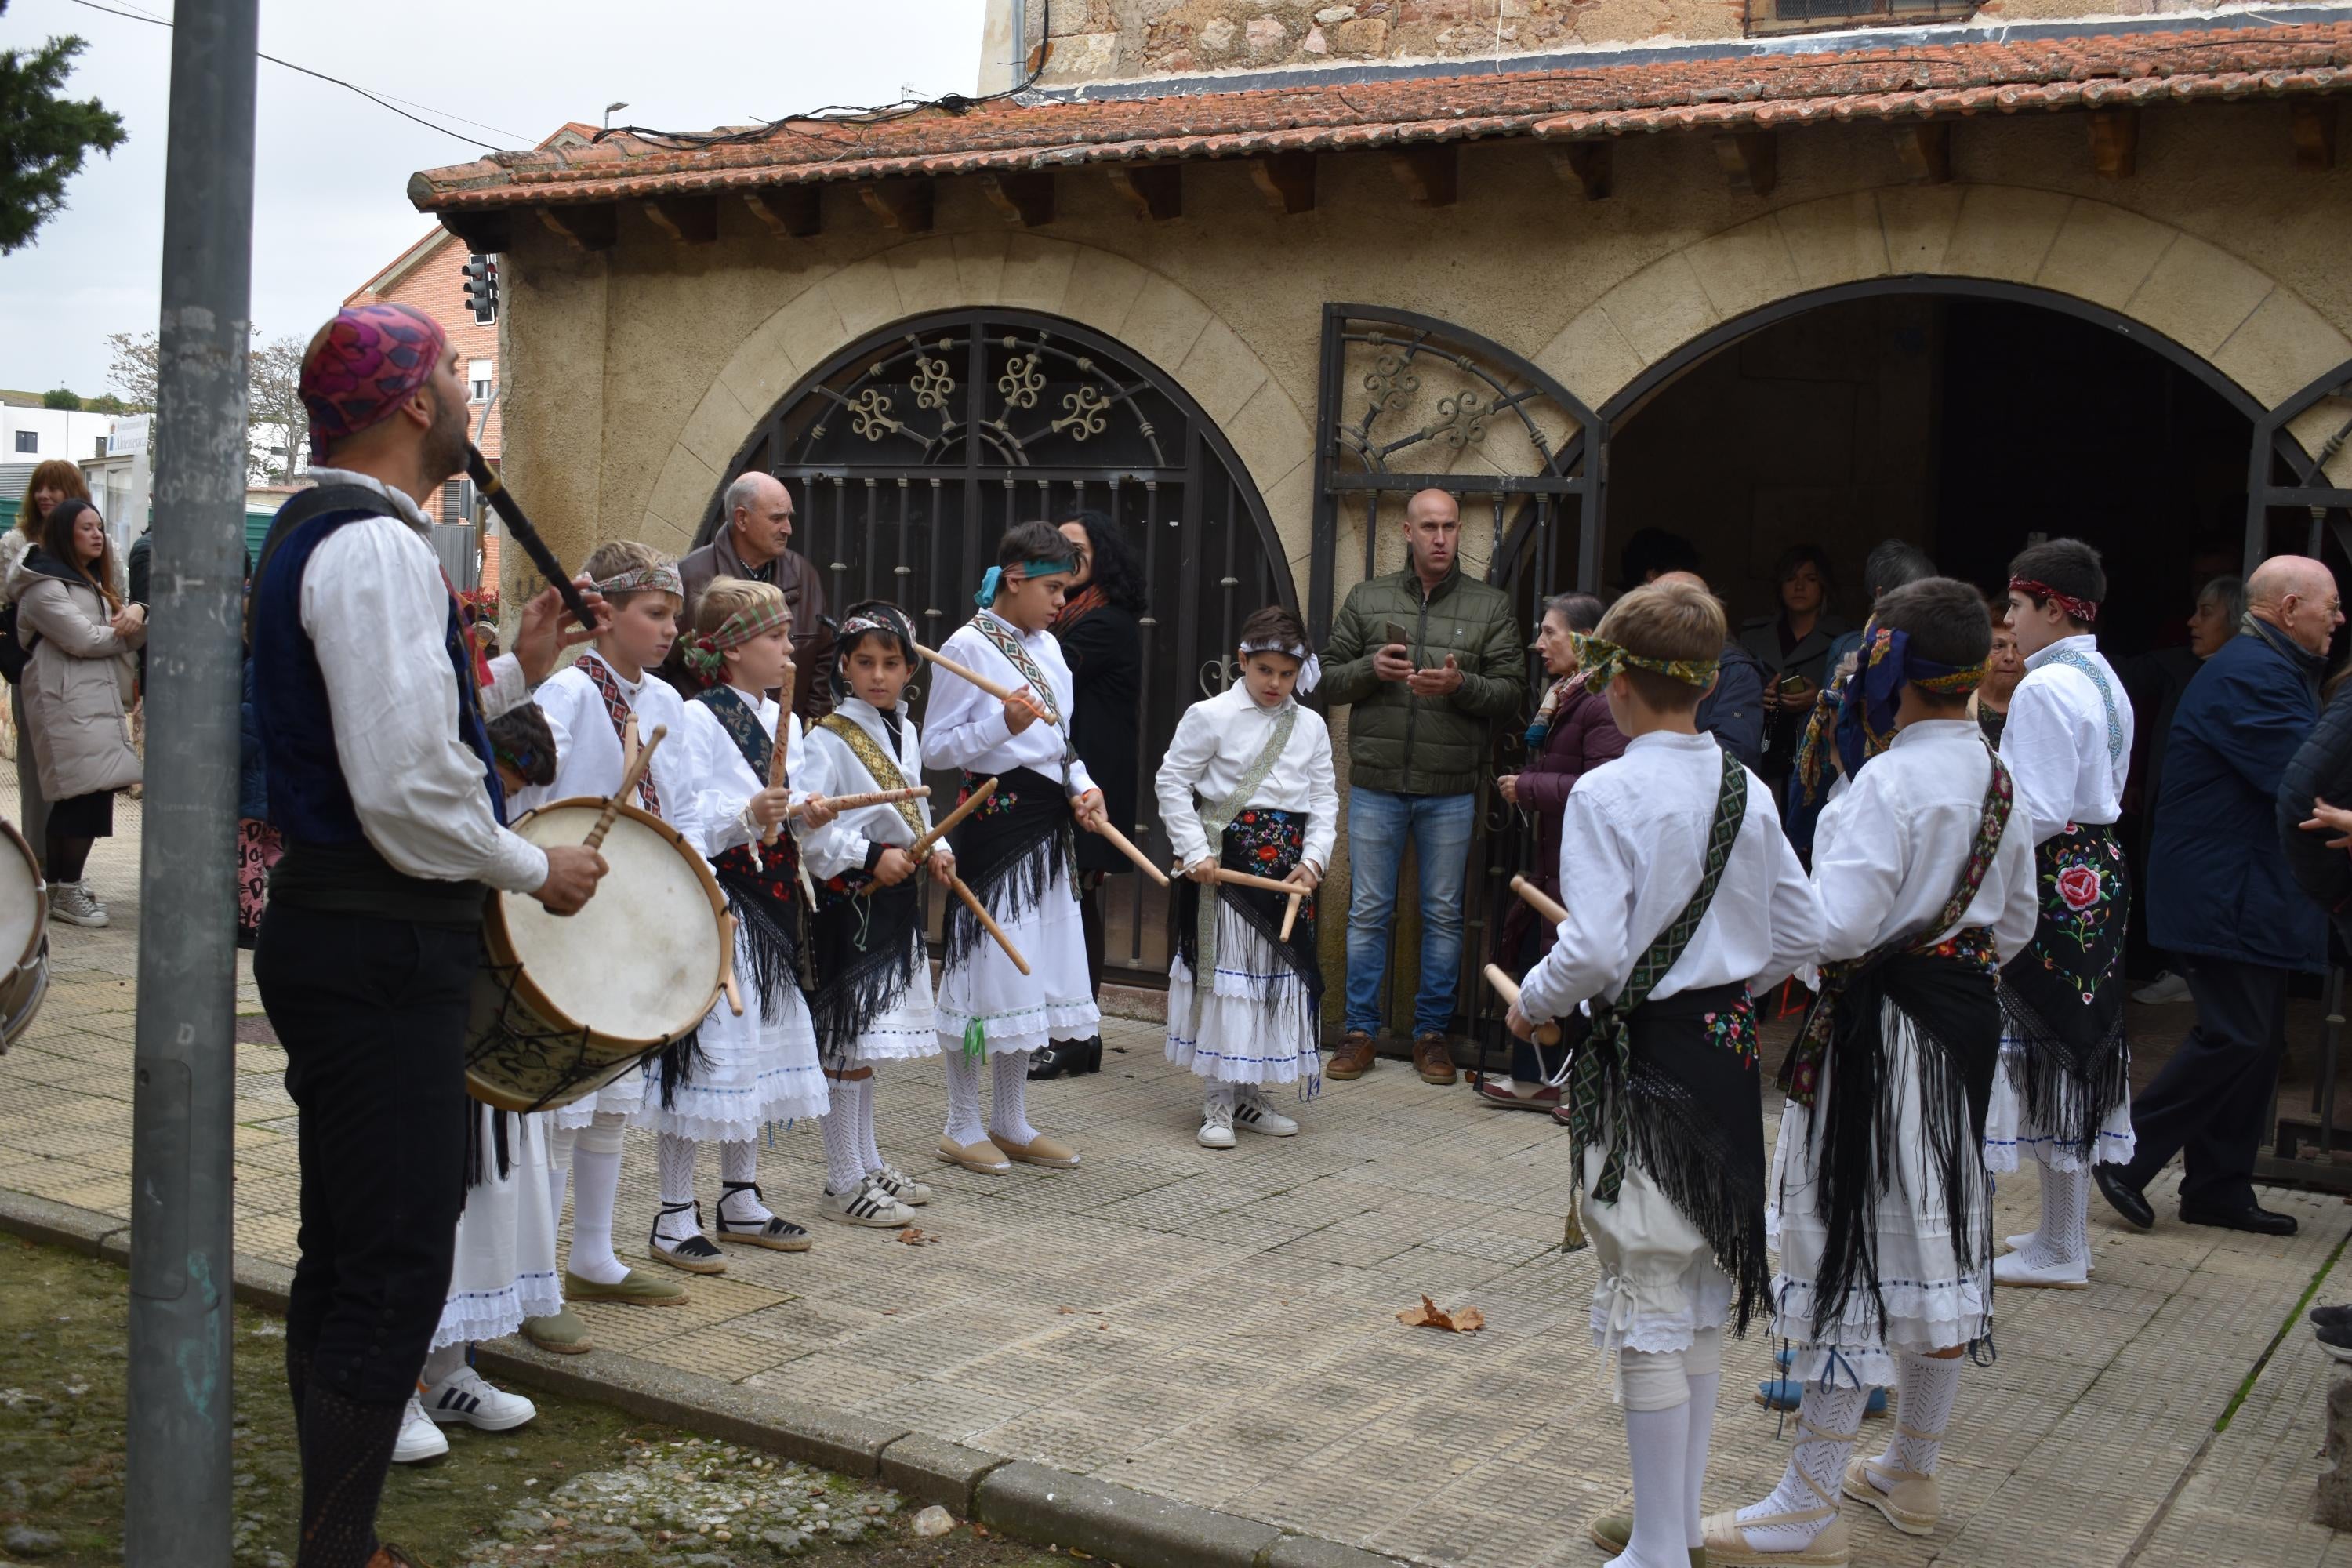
(2251, 328)
(1163, 323)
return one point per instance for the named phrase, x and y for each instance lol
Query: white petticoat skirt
(1659, 1285)
(1931, 1304)
(505, 1266)
(1256, 1024)
(907, 1031)
(622, 1097)
(1054, 1001)
(2010, 1133)
(752, 1072)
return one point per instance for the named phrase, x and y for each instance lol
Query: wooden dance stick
(1119, 842)
(980, 912)
(776, 749)
(1262, 884)
(727, 964)
(1508, 990)
(973, 802)
(636, 771)
(1290, 913)
(1551, 908)
(841, 803)
(995, 689)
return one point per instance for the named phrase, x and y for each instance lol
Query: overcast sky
(331, 167)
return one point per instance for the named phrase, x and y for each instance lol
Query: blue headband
(1867, 703)
(995, 576)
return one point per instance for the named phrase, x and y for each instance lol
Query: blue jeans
(1379, 827)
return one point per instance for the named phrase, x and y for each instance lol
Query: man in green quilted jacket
(1421, 705)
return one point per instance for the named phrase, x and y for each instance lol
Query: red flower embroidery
(1269, 852)
(2079, 886)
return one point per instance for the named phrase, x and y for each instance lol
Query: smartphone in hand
(1399, 634)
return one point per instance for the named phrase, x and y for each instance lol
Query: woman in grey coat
(79, 635)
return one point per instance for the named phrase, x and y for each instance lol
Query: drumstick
(776, 758)
(973, 802)
(980, 912)
(841, 803)
(1508, 990)
(1119, 842)
(997, 690)
(1290, 913)
(727, 964)
(1262, 884)
(637, 770)
(1551, 908)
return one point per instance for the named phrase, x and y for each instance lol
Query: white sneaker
(2011, 1269)
(870, 1202)
(466, 1398)
(1216, 1126)
(900, 1186)
(2019, 1244)
(1253, 1112)
(2166, 987)
(419, 1438)
(71, 902)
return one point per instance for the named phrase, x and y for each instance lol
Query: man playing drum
(370, 702)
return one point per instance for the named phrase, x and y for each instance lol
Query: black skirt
(88, 815)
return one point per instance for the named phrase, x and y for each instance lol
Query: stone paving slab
(1218, 1328)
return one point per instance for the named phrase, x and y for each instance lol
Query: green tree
(132, 373)
(42, 136)
(105, 403)
(63, 397)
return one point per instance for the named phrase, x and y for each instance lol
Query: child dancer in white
(2063, 1094)
(588, 704)
(1686, 899)
(1881, 1205)
(1017, 854)
(1246, 784)
(873, 998)
(743, 1072)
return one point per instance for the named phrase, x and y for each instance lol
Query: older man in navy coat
(2222, 899)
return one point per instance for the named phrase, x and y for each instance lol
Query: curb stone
(1030, 1501)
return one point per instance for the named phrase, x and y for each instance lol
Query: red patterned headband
(2082, 611)
(363, 365)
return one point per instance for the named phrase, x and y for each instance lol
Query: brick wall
(436, 285)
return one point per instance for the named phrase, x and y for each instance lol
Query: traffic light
(482, 288)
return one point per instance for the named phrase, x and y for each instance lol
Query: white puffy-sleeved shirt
(588, 753)
(964, 726)
(2069, 749)
(1889, 851)
(1633, 848)
(1216, 742)
(370, 592)
(724, 783)
(842, 844)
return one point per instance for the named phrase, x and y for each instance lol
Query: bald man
(752, 541)
(2221, 895)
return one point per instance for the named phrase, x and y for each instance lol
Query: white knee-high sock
(676, 1156)
(1657, 1441)
(739, 1165)
(843, 1173)
(595, 1188)
(964, 1125)
(1008, 1100)
(1218, 1091)
(2064, 1237)
(869, 1155)
(1827, 1421)
(1928, 1386)
(1703, 1368)
(560, 1140)
(441, 1365)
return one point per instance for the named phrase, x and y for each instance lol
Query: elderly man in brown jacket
(752, 546)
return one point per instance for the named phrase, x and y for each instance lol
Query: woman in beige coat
(79, 635)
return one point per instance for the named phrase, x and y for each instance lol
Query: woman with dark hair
(1794, 649)
(79, 634)
(1572, 734)
(50, 483)
(1103, 645)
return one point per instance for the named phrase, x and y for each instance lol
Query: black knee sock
(346, 1453)
(67, 858)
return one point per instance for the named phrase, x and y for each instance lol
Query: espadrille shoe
(2017, 1244)
(561, 1332)
(634, 1288)
(1613, 1532)
(1909, 1501)
(1726, 1546)
(692, 1252)
(983, 1156)
(1039, 1151)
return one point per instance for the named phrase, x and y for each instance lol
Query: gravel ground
(582, 1484)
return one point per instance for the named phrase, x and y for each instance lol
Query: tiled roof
(1969, 76)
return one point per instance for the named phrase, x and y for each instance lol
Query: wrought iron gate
(908, 454)
(1435, 406)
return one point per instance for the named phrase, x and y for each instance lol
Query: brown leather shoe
(1433, 1057)
(1353, 1059)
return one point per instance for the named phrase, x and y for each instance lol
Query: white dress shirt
(966, 725)
(722, 783)
(1889, 851)
(374, 605)
(588, 758)
(1216, 742)
(841, 845)
(2057, 745)
(1632, 848)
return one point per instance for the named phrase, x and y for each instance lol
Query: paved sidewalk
(1219, 1327)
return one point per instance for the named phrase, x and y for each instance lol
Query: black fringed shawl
(1007, 853)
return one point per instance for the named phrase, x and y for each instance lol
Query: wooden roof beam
(690, 220)
(1429, 171)
(1587, 167)
(1288, 179)
(591, 227)
(791, 212)
(1027, 196)
(1925, 149)
(2314, 124)
(1752, 160)
(904, 205)
(2115, 143)
(1156, 190)
(486, 233)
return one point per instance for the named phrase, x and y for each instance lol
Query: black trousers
(372, 1013)
(1090, 925)
(2209, 1103)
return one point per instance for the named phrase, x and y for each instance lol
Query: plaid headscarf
(1860, 709)
(1600, 660)
(703, 655)
(363, 365)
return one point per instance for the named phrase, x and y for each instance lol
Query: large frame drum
(565, 1004)
(24, 936)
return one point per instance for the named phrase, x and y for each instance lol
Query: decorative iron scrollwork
(1022, 382)
(933, 383)
(1391, 384)
(1086, 408)
(1460, 421)
(869, 415)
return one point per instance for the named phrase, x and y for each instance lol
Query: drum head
(22, 909)
(641, 961)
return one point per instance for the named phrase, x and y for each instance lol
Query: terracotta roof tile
(1969, 76)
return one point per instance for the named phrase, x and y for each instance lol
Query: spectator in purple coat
(1571, 735)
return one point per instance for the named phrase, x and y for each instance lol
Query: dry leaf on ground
(914, 1235)
(1460, 1320)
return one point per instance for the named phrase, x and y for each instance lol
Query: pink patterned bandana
(363, 365)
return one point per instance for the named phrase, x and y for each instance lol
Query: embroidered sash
(1215, 821)
(760, 878)
(2072, 660)
(618, 709)
(875, 760)
(1002, 638)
